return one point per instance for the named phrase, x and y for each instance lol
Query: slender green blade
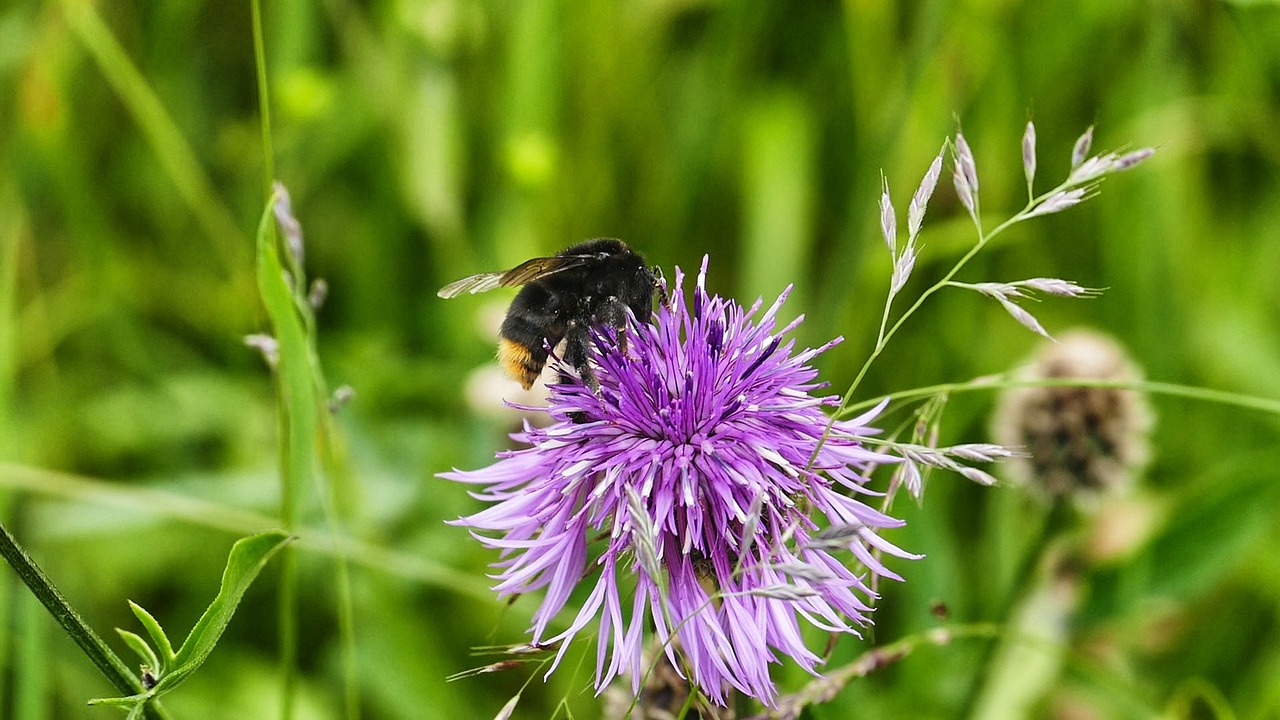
(158, 637)
(144, 651)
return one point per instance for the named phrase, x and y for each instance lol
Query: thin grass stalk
(289, 468)
(346, 610)
(162, 133)
(295, 449)
(1187, 392)
(235, 521)
(11, 227)
(264, 98)
(295, 453)
(107, 662)
(6, 605)
(31, 661)
(1055, 521)
(287, 619)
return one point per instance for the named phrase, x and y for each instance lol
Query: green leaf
(144, 651)
(158, 637)
(247, 559)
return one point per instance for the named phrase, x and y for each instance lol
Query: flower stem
(1219, 397)
(107, 662)
(264, 98)
(1056, 521)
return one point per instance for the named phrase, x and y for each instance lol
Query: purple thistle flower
(679, 491)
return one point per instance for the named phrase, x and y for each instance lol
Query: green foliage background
(423, 141)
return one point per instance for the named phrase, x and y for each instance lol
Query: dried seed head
(1081, 149)
(1078, 441)
(317, 294)
(267, 345)
(1060, 201)
(965, 176)
(289, 225)
(1029, 153)
(663, 696)
(920, 201)
(888, 219)
(1129, 160)
(966, 163)
(902, 267)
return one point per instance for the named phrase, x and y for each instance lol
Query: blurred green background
(424, 141)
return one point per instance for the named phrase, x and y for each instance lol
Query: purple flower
(679, 491)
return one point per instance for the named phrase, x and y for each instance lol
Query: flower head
(1078, 441)
(693, 488)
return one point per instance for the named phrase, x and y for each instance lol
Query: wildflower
(686, 485)
(1078, 441)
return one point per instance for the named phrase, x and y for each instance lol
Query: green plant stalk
(292, 468)
(306, 431)
(834, 680)
(287, 619)
(31, 661)
(173, 151)
(346, 614)
(12, 229)
(346, 609)
(202, 513)
(1188, 392)
(295, 442)
(107, 662)
(1056, 520)
(884, 337)
(264, 97)
(983, 239)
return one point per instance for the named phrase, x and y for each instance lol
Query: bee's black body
(590, 284)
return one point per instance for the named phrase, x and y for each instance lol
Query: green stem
(173, 151)
(288, 630)
(884, 337)
(107, 662)
(1056, 520)
(346, 609)
(264, 97)
(1220, 397)
(834, 680)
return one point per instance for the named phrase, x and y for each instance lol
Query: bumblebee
(588, 285)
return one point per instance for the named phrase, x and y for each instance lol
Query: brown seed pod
(1077, 441)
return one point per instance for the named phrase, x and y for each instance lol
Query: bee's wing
(473, 284)
(527, 271)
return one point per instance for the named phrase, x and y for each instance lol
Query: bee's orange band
(518, 363)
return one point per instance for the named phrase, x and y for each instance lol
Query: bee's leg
(614, 313)
(660, 285)
(576, 354)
